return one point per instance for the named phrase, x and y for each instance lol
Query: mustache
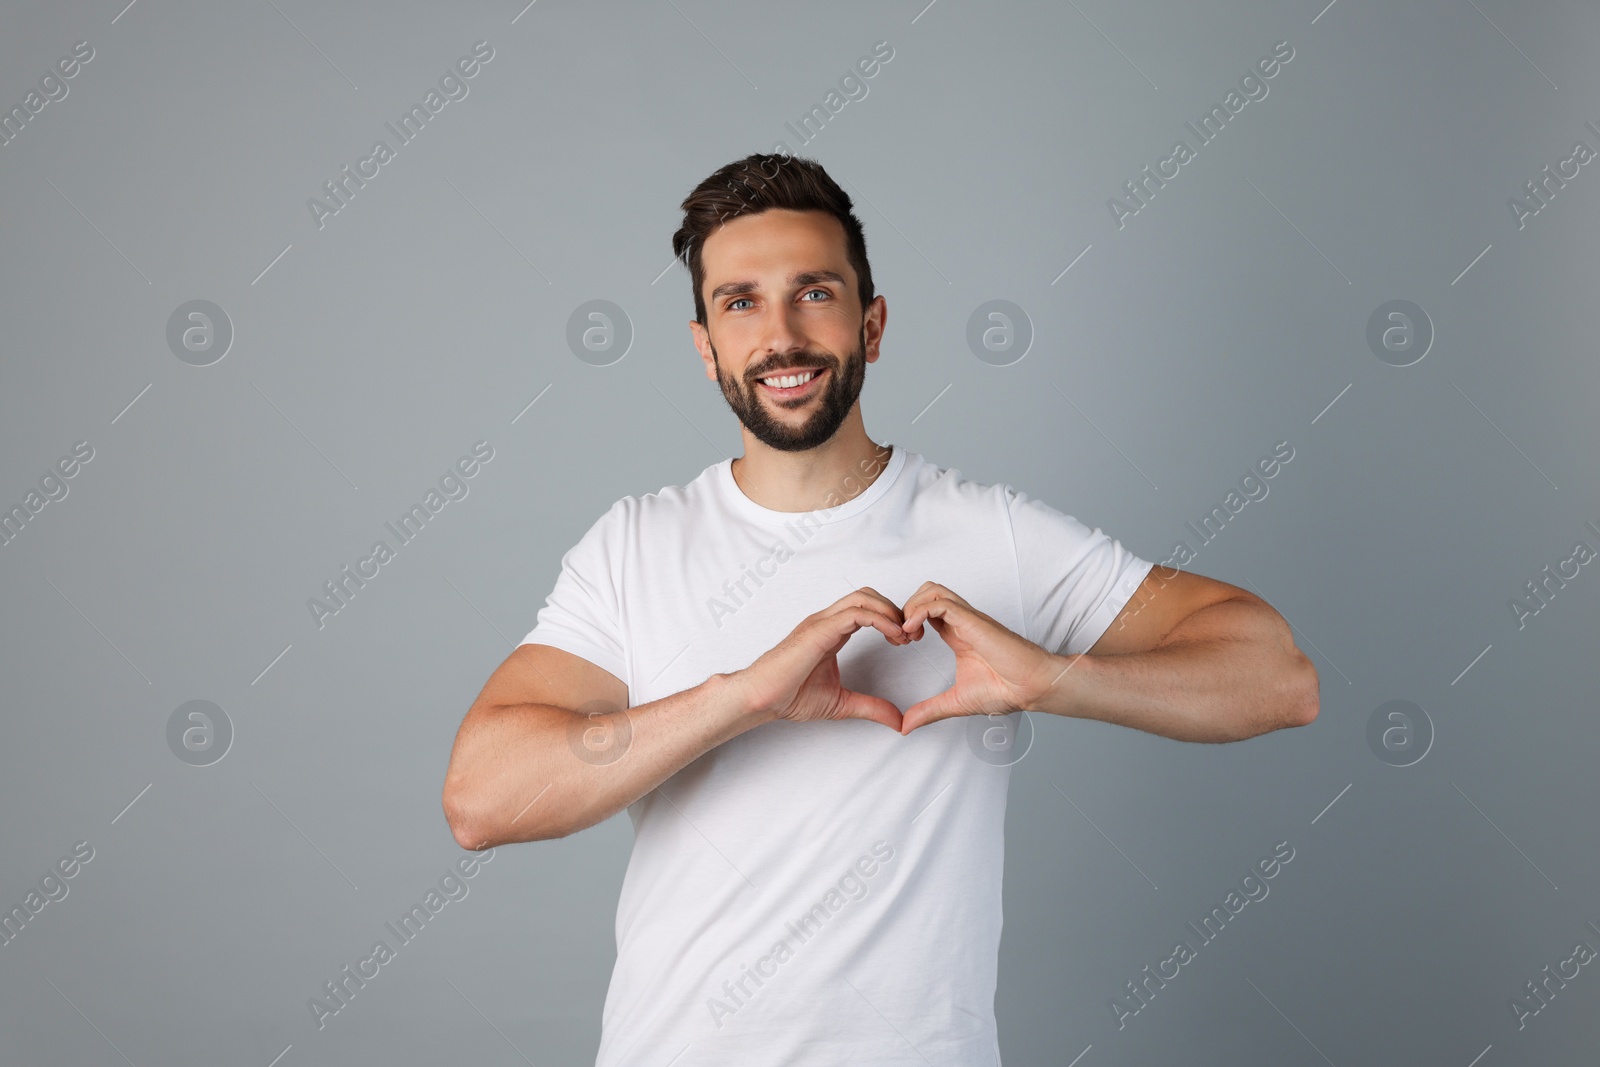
(790, 366)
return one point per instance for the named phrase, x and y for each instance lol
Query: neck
(837, 470)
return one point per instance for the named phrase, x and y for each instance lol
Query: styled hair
(752, 185)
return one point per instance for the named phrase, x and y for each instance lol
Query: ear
(702, 342)
(876, 318)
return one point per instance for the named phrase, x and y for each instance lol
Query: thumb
(940, 706)
(853, 705)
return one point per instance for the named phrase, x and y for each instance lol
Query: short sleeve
(1074, 580)
(582, 614)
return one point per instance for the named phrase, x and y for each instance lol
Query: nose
(780, 336)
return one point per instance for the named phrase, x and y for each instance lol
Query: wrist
(732, 691)
(1059, 682)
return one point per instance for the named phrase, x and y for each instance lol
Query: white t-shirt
(821, 892)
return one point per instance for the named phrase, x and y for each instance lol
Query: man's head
(781, 284)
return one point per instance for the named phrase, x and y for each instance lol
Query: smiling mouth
(793, 383)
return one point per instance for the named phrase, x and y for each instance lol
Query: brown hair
(750, 186)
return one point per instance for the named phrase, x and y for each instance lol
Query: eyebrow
(805, 277)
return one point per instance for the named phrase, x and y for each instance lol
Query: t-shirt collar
(735, 497)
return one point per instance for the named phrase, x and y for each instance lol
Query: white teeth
(790, 381)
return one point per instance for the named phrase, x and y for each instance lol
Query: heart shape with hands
(997, 670)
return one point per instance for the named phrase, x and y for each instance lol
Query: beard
(829, 408)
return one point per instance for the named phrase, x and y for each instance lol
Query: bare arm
(521, 769)
(1192, 659)
(1188, 657)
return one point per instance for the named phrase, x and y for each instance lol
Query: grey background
(370, 354)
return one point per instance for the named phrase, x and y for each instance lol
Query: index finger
(867, 597)
(852, 617)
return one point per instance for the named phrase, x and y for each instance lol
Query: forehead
(775, 242)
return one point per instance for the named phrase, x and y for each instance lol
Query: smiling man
(817, 791)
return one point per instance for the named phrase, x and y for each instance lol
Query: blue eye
(824, 292)
(733, 302)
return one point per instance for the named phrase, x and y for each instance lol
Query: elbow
(477, 829)
(470, 839)
(463, 822)
(467, 824)
(1290, 700)
(1304, 699)
(1308, 713)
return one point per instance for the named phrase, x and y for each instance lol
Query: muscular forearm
(515, 775)
(1228, 672)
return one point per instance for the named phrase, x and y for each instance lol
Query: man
(818, 812)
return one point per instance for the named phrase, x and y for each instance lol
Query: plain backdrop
(1442, 859)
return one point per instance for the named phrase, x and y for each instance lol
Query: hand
(799, 679)
(997, 671)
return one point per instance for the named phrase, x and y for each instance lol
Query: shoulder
(668, 506)
(1032, 522)
(950, 485)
